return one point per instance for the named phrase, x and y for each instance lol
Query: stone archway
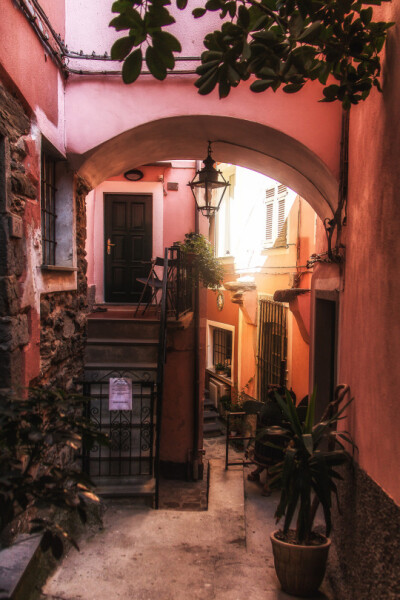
(237, 141)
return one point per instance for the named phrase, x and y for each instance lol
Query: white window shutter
(269, 211)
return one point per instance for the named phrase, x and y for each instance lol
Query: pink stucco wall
(298, 143)
(25, 61)
(370, 325)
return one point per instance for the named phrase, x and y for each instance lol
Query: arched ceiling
(237, 141)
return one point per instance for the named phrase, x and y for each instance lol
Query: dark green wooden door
(128, 244)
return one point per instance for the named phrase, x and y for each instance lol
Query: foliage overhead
(40, 480)
(207, 268)
(278, 43)
(309, 465)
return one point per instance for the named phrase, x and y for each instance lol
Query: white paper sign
(120, 393)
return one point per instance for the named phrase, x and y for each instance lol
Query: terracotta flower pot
(300, 569)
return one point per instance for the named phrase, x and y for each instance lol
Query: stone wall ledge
(18, 567)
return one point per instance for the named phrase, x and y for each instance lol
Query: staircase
(118, 341)
(120, 345)
(212, 426)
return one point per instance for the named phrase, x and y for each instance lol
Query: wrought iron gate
(272, 345)
(131, 432)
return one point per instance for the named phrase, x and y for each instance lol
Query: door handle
(109, 244)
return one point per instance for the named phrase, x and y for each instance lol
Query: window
(222, 347)
(49, 216)
(275, 217)
(57, 211)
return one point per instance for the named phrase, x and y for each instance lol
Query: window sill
(275, 249)
(57, 268)
(223, 378)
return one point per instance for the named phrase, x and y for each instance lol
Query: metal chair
(154, 282)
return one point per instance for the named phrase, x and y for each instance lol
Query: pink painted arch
(236, 141)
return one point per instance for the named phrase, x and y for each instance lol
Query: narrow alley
(219, 554)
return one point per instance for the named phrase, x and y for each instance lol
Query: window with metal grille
(275, 217)
(222, 346)
(49, 214)
(272, 346)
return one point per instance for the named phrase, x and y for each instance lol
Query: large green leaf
(155, 64)
(121, 48)
(132, 66)
(310, 416)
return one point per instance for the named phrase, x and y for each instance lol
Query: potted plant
(219, 368)
(199, 254)
(306, 477)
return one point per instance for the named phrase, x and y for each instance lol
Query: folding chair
(155, 282)
(152, 282)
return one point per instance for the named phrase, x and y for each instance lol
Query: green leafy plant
(207, 268)
(308, 472)
(219, 367)
(41, 482)
(277, 42)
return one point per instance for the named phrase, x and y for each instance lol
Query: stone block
(9, 296)
(14, 332)
(21, 184)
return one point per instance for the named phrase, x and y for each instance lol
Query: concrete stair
(121, 343)
(118, 342)
(212, 426)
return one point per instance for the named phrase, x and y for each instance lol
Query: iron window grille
(272, 346)
(222, 346)
(48, 209)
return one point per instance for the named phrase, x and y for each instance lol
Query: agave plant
(307, 474)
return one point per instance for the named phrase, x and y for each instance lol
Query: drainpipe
(196, 368)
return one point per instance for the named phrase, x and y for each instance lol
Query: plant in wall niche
(306, 477)
(199, 254)
(276, 42)
(41, 483)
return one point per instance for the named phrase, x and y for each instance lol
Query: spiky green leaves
(309, 464)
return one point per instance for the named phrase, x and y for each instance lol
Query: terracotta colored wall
(369, 347)
(228, 315)
(24, 59)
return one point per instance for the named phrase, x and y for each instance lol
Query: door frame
(333, 297)
(106, 196)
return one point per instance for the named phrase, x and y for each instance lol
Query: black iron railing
(179, 291)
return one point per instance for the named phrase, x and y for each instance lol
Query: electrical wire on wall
(56, 48)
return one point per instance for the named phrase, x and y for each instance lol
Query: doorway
(128, 245)
(325, 348)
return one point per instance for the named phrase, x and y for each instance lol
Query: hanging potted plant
(198, 253)
(306, 477)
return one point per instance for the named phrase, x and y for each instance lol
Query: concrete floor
(220, 554)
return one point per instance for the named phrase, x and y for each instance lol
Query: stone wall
(16, 187)
(364, 561)
(63, 316)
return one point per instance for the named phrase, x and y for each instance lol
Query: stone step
(121, 352)
(138, 490)
(209, 405)
(123, 328)
(212, 429)
(210, 415)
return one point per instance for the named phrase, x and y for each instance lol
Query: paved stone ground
(142, 554)
(193, 495)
